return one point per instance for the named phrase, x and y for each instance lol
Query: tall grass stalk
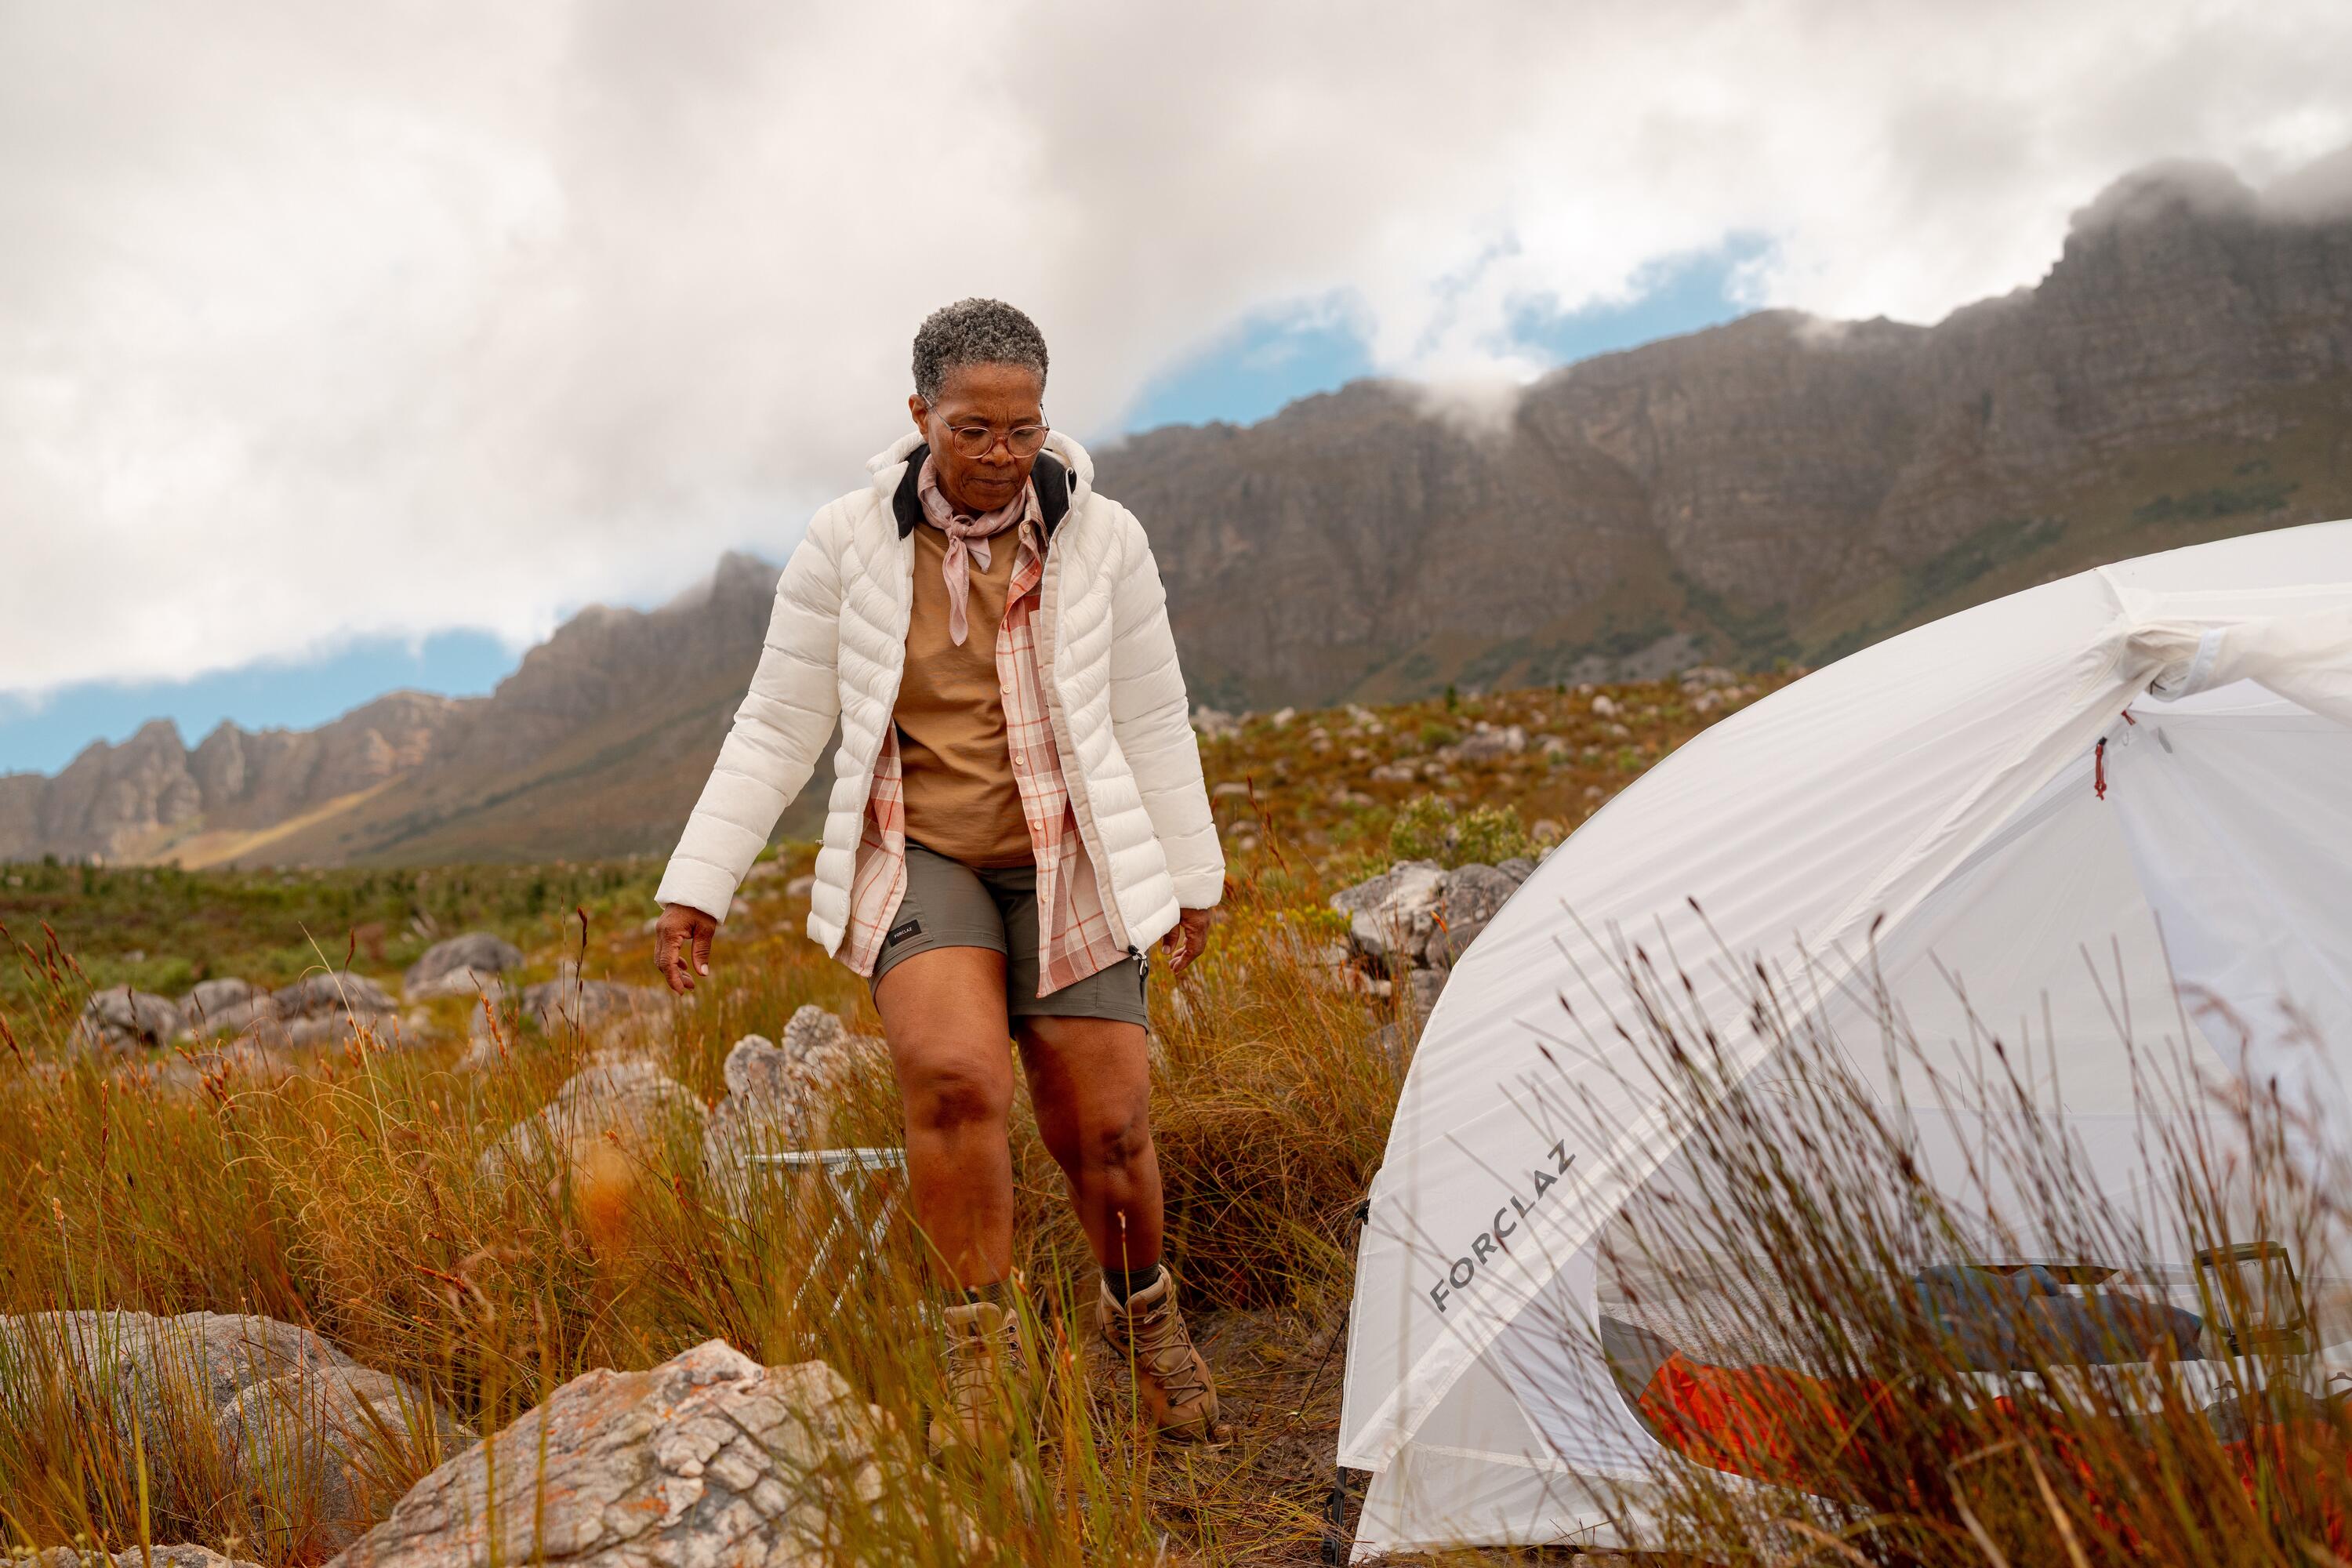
(1778, 1309)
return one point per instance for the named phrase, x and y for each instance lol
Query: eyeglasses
(979, 440)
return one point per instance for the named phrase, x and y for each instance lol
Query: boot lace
(975, 1360)
(1164, 1347)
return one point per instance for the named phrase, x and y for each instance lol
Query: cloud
(325, 322)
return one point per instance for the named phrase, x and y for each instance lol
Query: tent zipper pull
(2099, 769)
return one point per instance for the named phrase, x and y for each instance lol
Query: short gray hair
(974, 331)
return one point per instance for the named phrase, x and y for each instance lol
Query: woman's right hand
(682, 945)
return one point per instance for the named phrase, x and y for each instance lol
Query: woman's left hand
(1187, 940)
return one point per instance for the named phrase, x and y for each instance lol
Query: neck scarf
(967, 538)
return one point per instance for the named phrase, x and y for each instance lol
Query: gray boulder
(707, 1460)
(1423, 987)
(177, 1556)
(334, 992)
(206, 1358)
(627, 1096)
(120, 1019)
(335, 1446)
(223, 1066)
(462, 966)
(1467, 898)
(1413, 922)
(1390, 917)
(1489, 743)
(590, 1006)
(330, 1009)
(309, 1434)
(321, 995)
(776, 1095)
(226, 1006)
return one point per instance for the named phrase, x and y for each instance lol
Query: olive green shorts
(950, 904)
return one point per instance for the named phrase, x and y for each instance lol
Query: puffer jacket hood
(836, 648)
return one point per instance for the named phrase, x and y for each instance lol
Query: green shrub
(1435, 733)
(1429, 828)
(1489, 835)
(1423, 830)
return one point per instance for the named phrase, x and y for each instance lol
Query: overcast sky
(418, 326)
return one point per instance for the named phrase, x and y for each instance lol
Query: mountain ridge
(1777, 487)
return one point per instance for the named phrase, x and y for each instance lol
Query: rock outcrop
(119, 1020)
(629, 1098)
(1408, 925)
(776, 1094)
(330, 1009)
(313, 1436)
(709, 1460)
(347, 1437)
(226, 1006)
(570, 1005)
(176, 1556)
(219, 1067)
(465, 965)
(137, 799)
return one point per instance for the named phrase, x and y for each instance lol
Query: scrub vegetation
(347, 1198)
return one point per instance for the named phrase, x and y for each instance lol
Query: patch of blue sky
(1670, 297)
(1271, 359)
(42, 737)
(1278, 356)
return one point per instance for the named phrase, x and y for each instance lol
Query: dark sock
(1125, 1282)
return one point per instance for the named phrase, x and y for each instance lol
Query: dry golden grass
(346, 1199)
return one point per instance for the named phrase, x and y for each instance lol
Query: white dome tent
(1951, 788)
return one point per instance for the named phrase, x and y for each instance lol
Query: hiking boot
(1171, 1378)
(985, 1371)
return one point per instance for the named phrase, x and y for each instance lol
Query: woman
(1017, 814)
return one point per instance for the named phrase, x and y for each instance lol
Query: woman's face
(1003, 397)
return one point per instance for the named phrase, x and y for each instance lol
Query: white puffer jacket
(837, 644)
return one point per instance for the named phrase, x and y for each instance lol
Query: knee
(1112, 1143)
(952, 1097)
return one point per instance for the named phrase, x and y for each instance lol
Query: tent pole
(1337, 1537)
(1335, 1506)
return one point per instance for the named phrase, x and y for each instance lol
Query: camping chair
(841, 1170)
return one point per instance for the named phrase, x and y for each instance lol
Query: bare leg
(943, 1012)
(1090, 1084)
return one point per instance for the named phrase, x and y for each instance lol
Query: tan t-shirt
(961, 801)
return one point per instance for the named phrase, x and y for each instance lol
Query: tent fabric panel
(2241, 834)
(1888, 771)
(1450, 1267)
(2033, 940)
(1478, 1475)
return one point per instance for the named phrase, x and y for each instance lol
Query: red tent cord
(2099, 769)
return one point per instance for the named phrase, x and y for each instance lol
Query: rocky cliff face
(244, 794)
(1776, 487)
(127, 801)
(1780, 485)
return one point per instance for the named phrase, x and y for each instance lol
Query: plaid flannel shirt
(1076, 938)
